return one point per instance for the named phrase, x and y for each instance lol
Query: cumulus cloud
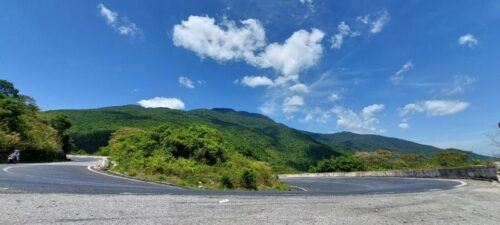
(256, 81)
(299, 88)
(122, 25)
(343, 31)
(375, 21)
(404, 126)
(468, 39)
(300, 51)
(223, 42)
(364, 121)
(399, 75)
(162, 102)
(227, 41)
(246, 41)
(434, 107)
(292, 104)
(460, 84)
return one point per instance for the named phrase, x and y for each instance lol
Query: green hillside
(253, 135)
(370, 142)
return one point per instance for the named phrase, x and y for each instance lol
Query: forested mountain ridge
(254, 135)
(371, 142)
(251, 134)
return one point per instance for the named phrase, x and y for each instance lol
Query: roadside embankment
(473, 172)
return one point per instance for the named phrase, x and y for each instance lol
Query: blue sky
(419, 70)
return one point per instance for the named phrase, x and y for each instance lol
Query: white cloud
(317, 115)
(299, 52)
(434, 107)
(364, 121)
(399, 75)
(122, 25)
(375, 21)
(227, 41)
(309, 4)
(256, 81)
(246, 41)
(343, 31)
(299, 88)
(334, 97)
(460, 84)
(186, 82)
(292, 104)
(222, 42)
(268, 108)
(468, 39)
(282, 80)
(404, 126)
(162, 102)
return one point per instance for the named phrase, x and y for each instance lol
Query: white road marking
(6, 169)
(130, 179)
(301, 188)
(223, 201)
(462, 183)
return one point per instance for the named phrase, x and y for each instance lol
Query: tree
(22, 127)
(61, 123)
(7, 89)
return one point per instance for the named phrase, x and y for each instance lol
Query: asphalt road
(76, 177)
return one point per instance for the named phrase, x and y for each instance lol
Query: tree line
(23, 127)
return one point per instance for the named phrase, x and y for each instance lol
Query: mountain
(372, 142)
(252, 134)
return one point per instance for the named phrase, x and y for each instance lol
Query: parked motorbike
(12, 159)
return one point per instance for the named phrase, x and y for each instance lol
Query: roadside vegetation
(389, 160)
(196, 156)
(23, 127)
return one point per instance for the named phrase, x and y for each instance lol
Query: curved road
(76, 177)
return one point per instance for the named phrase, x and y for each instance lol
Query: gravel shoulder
(476, 203)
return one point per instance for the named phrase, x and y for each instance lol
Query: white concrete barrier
(103, 162)
(473, 172)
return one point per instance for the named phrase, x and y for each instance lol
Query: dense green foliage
(23, 127)
(388, 160)
(196, 156)
(371, 142)
(252, 135)
(339, 164)
(61, 124)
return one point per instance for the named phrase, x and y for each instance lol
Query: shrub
(195, 157)
(340, 164)
(227, 182)
(249, 179)
(450, 159)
